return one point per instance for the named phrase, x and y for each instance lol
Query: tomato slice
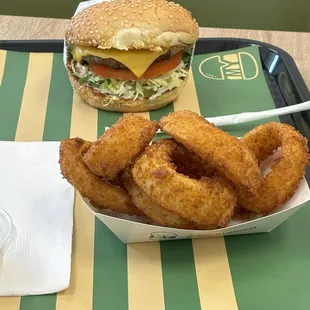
(108, 72)
(155, 69)
(163, 66)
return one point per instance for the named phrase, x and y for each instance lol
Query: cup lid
(7, 232)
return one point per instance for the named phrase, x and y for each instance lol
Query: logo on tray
(162, 236)
(236, 66)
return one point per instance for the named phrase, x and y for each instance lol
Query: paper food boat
(131, 229)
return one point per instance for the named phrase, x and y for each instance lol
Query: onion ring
(287, 171)
(119, 145)
(103, 194)
(208, 201)
(223, 152)
(190, 164)
(152, 209)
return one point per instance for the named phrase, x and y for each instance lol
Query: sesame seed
(140, 12)
(94, 41)
(170, 16)
(132, 6)
(110, 13)
(144, 7)
(134, 11)
(101, 18)
(91, 31)
(171, 25)
(124, 14)
(115, 18)
(96, 31)
(88, 24)
(105, 23)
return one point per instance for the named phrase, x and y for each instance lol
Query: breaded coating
(287, 171)
(208, 201)
(223, 152)
(103, 194)
(152, 209)
(191, 164)
(119, 145)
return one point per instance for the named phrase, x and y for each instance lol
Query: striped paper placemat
(262, 271)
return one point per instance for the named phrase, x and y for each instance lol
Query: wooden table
(296, 44)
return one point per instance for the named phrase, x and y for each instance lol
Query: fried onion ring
(119, 145)
(103, 194)
(190, 164)
(208, 201)
(223, 152)
(279, 185)
(152, 209)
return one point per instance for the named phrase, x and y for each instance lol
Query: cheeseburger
(130, 55)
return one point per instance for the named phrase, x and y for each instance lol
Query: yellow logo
(236, 66)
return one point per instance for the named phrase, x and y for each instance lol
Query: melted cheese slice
(136, 60)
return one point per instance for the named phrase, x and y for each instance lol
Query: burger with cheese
(130, 55)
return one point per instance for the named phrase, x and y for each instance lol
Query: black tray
(284, 80)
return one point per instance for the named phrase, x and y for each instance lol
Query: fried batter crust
(103, 194)
(223, 152)
(279, 185)
(208, 201)
(119, 145)
(152, 209)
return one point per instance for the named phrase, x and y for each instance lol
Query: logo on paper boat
(236, 66)
(162, 236)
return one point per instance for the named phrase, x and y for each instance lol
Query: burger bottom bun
(109, 103)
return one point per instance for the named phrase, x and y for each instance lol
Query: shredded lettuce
(150, 88)
(186, 58)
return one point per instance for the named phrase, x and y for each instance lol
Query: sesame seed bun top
(133, 24)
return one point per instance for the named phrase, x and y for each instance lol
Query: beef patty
(116, 64)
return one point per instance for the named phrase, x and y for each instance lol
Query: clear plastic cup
(7, 235)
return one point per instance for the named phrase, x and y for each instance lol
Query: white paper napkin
(40, 203)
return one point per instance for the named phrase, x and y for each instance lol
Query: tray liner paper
(242, 268)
